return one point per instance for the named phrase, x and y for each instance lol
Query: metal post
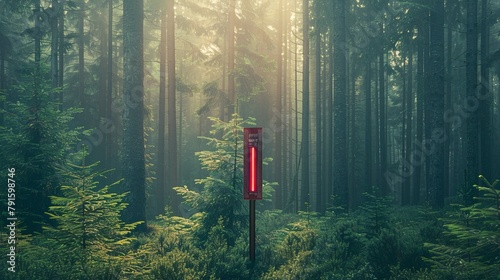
(252, 231)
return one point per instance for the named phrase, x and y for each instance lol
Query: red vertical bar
(253, 167)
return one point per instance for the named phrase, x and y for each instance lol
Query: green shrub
(470, 246)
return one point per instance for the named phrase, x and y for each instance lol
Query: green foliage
(383, 252)
(177, 227)
(376, 212)
(300, 237)
(176, 257)
(222, 259)
(342, 238)
(397, 244)
(346, 246)
(294, 254)
(171, 253)
(303, 246)
(413, 226)
(471, 248)
(407, 274)
(87, 233)
(177, 264)
(88, 220)
(220, 200)
(295, 268)
(35, 139)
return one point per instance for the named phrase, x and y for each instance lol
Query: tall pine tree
(133, 162)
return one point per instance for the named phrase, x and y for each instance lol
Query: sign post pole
(252, 231)
(252, 179)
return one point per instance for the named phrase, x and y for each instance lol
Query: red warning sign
(252, 163)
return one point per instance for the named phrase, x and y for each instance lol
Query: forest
(122, 127)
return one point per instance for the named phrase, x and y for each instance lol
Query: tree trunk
(54, 47)
(417, 158)
(319, 128)
(351, 134)
(329, 153)
(4, 48)
(287, 157)
(278, 125)
(60, 79)
(304, 197)
(81, 64)
(38, 35)
(368, 126)
(37, 194)
(160, 191)
(133, 162)
(406, 191)
(230, 64)
(472, 142)
(449, 165)
(436, 106)
(485, 96)
(340, 182)
(426, 98)
(3, 82)
(295, 192)
(109, 137)
(324, 131)
(403, 130)
(384, 188)
(103, 79)
(173, 175)
(376, 138)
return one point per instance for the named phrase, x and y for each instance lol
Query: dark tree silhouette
(133, 162)
(435, 106)
(304, 193)
(340, 182)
